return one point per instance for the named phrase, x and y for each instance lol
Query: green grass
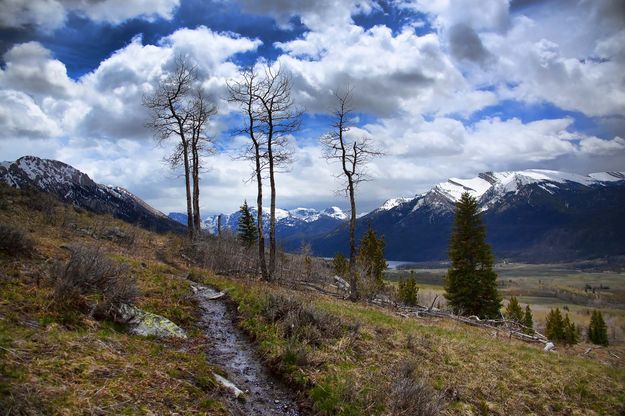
(480, 373)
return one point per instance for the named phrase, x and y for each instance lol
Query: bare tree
(353, 155)
(243, 92)
(200, 113)
(179, 110)
(279, 118)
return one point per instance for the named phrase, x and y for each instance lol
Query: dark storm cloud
(465, 44)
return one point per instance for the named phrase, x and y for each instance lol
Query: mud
(231, 349)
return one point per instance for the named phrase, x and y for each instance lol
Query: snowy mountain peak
(500, 183)
(335, 212)
(392, 203)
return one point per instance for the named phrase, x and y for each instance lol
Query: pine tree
(514, 311)
(341, 266)
(408, 290)
(528, 321)
(598, 330)
(570, 331)
(248, 232)
(555, 325)
(371, 257)
(471, 283)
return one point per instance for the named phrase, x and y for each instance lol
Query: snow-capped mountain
(73, 186)
(290, 224)
(530, 214)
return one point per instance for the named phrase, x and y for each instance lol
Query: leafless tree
(200, 113)
(353, 155)
(179, 110)
(243, 92)
(279, 118)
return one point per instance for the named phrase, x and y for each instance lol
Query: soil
(232, 350)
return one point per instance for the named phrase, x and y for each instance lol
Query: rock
(341, 283)
(228, 384)
(549, 347)
(149, 324)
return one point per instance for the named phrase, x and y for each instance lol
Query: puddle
(231, 349)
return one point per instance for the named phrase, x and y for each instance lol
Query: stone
(148, 324)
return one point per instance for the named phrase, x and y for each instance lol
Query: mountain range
(530, 215)
(75, 187)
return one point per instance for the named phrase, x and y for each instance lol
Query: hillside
(77, 188)
(338, 357)
(532, 215)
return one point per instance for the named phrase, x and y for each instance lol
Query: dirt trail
(231, 349)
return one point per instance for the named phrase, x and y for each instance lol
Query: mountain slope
(293, 225)
(73, 186)
(532, 215)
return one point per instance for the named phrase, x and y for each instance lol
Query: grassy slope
(53, 363)
(64, 363)
(476, 372)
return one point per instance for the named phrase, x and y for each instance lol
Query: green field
(576, 288)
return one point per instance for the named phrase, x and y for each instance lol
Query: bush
(91, 281)
(15, 241)
(303, 321)
(413, 397)
(598, 330)
(408, 290)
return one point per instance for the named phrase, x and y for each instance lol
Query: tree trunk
(196, 189)
(272, 212)
(187, 184)
(353, 282)
(259, 207)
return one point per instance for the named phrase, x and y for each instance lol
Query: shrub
(409, 396)
(15, 241)
(408, 290)
(91, 281)
(514, 311)
(561, 329)
(303, 321)
(598, 330)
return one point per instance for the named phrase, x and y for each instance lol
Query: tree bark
(187, 185)
(259, 220)
(196, 189)
(353, 281)
(272, 208)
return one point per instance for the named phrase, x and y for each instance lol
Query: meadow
(575, 288)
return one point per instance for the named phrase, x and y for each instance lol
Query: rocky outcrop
(148, 324)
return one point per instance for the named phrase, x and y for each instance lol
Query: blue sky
(446, 88)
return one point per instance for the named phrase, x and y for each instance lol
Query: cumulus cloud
(313, 14)
(51, 14)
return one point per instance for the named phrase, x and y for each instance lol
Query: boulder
(147, 324)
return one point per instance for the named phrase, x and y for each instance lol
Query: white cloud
(313, 14)
(48, 15)
(21, 117)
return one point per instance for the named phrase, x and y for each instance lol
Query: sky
(445, 88)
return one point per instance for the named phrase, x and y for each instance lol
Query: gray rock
(149, 324)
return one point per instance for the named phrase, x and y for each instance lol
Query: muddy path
(231, 349)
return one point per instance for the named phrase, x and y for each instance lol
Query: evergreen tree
(408, 290)
(598, 330)
(555, 325)
(341, 266)
(471, 283)
(570, 331)
(514, 311)
(371, 257)
(528, 321)
(248, 232)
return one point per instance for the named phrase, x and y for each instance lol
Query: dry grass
(58, 361)
(476, 371)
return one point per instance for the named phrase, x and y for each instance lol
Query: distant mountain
(75, 187)
(293, 226)
(531, 215)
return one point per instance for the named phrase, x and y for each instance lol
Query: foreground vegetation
(345, 358)
(59, 361)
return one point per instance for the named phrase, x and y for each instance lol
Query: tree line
(179, 111)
